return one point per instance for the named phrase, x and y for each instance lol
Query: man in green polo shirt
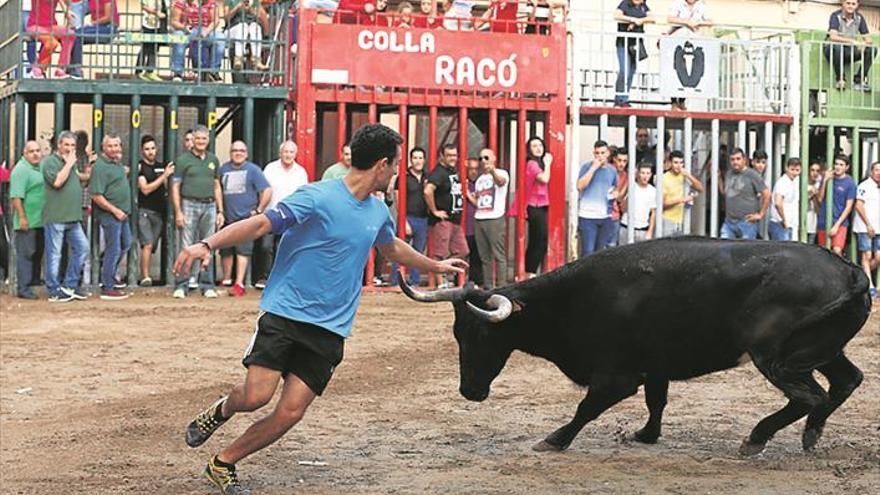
(27, 193)
(111, 194)
(198, 205)
(339, 169)
(62, 219)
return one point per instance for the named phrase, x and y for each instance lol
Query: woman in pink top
(43, 27)
(537, 200)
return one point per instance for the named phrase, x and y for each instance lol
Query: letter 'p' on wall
(97, 118)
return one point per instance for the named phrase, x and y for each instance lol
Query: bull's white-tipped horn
(440, 295)
(501, 308)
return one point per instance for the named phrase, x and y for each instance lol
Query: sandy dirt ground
(94, 398)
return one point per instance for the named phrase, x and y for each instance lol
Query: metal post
(21, 112)
(248, 127)
(492, 142)
(462, 164)
(520, 229)
(768, 176)
(6, 155)
(429, 165)
(341, 128)
(97, 137)
(278, 134)
(211, 121)
(372, 117)
(688, 165)
(59, 113)
(658, 182)
(857, 175)
(603, 127)
(713, 208)
(171, 128)
(134, 155)
(632, 128)
(828, 185)
(401, 172)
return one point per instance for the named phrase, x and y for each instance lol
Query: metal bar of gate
(857, 175)
(462, 166)
(768, 176)
(659, 161)
(94, 237)
(171, 126)
(401, 173)
(520, 229)
(430, 160)
(631, 174)
(828, 185)
(713, 209)
(134, 152)
(688, 166)
(372, 118)
(341, 130)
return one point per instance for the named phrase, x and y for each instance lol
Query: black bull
(673, 309)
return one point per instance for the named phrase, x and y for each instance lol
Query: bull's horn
(501, 308)
(439, 295)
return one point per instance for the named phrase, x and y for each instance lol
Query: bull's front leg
(604, 392)
(656, 389)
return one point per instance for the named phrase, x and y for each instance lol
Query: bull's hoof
(748, 449)
(545, 446)
(811, 438)
(642, 436)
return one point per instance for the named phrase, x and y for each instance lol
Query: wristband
(205, 243)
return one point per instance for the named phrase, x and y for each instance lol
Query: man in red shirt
(354, 11)
(503, 16)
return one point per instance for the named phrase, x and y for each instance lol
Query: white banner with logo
(689, 67)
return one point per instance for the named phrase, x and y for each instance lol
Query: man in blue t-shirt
(246, 193)
(327, 231)
(843, 197)
(597, 186)
(845, 27)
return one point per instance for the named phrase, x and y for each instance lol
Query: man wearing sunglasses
(490, 191)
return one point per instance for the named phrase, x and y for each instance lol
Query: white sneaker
(211, 294)
(193, 283)
(179, 294)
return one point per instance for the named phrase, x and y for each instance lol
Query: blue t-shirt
(594, 202)
(844, 189)
(327, 235)
(241, 189)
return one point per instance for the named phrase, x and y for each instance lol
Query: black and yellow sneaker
(225, 478)
(206, 423)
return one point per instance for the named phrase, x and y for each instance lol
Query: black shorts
(305, 350)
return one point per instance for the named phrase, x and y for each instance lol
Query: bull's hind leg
(656, 389)
(604, 392)
(843, 378)
(804, 394)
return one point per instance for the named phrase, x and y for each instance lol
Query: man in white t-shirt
(785, 214)
(643, 208)
(867, 223)
(284, 176)
(490, 191)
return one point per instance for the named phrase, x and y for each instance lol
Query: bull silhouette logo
(690, 64)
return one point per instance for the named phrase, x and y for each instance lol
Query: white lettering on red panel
(447, 70)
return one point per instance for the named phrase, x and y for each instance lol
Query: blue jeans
(595, 234)
(89, 35)
(627, 66)
(55, 234)
(200, 223)
(30, 43)
(117, 241)
(739, 229)
(778, 232)
(418, 241)
(209, 50)
(25, 250)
